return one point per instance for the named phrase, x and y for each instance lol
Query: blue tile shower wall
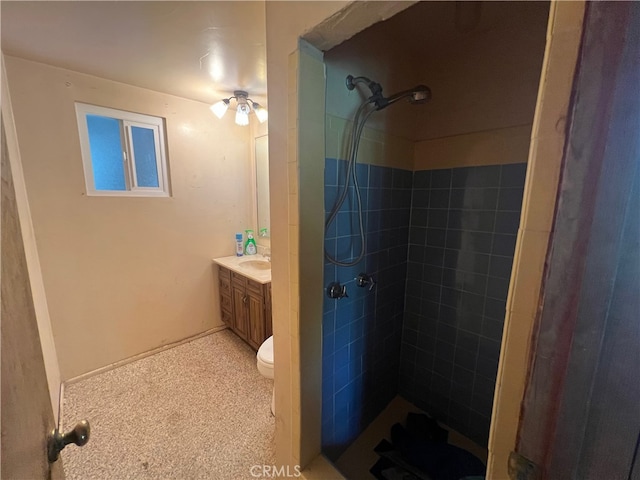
(462, 238)
(362, 333)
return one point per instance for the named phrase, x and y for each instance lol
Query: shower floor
(356, 461)
(199, 410)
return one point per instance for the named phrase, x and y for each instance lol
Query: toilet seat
(265, 358)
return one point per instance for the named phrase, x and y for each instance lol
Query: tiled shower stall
(440, 246)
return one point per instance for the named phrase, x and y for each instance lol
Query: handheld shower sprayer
(418, 95)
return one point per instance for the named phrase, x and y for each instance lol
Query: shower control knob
(56, 441)
(364, 279)
(336, 291)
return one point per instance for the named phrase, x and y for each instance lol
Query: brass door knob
(56, 441)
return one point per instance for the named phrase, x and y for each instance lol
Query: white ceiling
(202, 50)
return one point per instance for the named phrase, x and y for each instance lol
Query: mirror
(262, 185)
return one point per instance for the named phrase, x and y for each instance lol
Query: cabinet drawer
(238, 279)
(225, 303)
(254, 286)
(224, 272)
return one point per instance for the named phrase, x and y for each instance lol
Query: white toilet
(265, 365)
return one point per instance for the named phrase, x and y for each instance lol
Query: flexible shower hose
(352, 157)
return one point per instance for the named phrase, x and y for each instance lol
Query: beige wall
(488, 78)
(376, 146)
(372, 53)
(306, 246)
(484, 83)
(286, 21)
(126, 275)
(387, 138)
(491, 147)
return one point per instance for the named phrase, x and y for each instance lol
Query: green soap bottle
(250, 245)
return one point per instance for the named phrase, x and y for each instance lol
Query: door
(580, 416)
(26, 413)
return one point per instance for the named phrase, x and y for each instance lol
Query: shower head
(418, 95)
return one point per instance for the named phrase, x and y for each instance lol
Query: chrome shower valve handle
(363, 279)
(336, 291)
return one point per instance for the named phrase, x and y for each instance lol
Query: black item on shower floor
(386, 469)
(388, 453)
(421, 451)
(424, 427)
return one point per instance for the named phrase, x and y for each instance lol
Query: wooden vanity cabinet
(226, 302)
(245, 306)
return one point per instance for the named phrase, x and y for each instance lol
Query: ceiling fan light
(261, 113)
(242, 114)
(220, 108)
(244, 108)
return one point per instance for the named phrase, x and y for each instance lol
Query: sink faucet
(267, 254)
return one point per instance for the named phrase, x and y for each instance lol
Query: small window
(122, 152)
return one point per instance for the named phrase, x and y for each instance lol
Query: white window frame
(127, 121)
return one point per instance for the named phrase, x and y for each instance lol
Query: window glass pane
(144, 152)
(106, 153)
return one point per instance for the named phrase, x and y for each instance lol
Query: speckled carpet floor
(197, 411)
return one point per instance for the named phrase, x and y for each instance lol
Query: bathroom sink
(257, 264)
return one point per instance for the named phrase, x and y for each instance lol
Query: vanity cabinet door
(240, 301)
(256, 319)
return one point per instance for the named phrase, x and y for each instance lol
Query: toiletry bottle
(250, 245)
(239, 249)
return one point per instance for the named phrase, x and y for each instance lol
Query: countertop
(235, 264)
